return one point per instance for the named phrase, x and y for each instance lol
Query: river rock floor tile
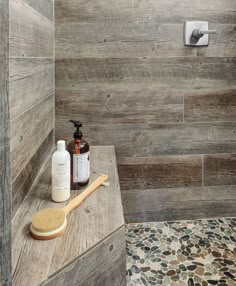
(191, 253)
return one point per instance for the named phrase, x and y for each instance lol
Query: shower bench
(91, 252)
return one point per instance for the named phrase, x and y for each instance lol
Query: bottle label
(61, 177)
(81, 167)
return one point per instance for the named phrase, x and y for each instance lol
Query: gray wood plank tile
(24, 181)
(120, 40)
(219, 106)
(160, 172)
(31, 80)
(120, 104)
(28, 131)
(174, 71)
(214, 11)
(220, 169)
(178, 203)
(31, 34)
(187, 138)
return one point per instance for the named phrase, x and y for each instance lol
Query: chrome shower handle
(197, 33)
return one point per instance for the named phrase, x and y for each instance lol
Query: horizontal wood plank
(160, 172)
(28, 131)
(31, 80)
(152, 204)
(120, 105)
(220, 169)
(24, 181)
(214, 11)
(120, 40)
(187, 138)
(219, 106)
(174, 71)
(82, 267)
(31, 34)
(169, 211)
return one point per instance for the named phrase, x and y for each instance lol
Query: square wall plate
(189, 26)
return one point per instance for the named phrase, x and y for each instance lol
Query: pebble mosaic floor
(191, 253)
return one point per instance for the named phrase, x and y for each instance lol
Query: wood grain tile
(120, 40)
(120, 104)
(160, 172)
(187, 138)
(174, 71)
(31, 80)
(23, 182)
(214, 11)
(31, 34)
(28, 132)
(220, 170)
(219, 106)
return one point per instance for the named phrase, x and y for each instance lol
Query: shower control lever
(197, 33)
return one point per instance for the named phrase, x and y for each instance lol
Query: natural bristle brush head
(48, 223)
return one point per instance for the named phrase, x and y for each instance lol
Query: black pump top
(77, 134)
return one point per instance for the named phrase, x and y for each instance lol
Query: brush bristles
(48, 220)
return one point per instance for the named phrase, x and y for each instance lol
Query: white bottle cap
(61, 145)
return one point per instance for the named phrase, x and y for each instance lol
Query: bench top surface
(99, 216)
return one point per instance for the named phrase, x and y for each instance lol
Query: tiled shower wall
(31, 91)
(170, 110)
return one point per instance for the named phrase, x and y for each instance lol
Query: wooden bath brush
(50, 223)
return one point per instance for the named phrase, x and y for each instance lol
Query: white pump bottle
(60, 173)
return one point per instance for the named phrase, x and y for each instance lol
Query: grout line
(39, 173)
(202, 170)
(18, 57)
(32, 106)
(183, 107)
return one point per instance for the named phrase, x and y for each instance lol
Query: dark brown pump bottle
(80, 158)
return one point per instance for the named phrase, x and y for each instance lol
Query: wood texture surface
(89, 226)
(31, 34)
(160, 172)
(219, 106)
(180, 203)
(28, 132)
(172, 71)
(31, 80)
(220, 170)
(24, 181)
(5, 186)
(214, 11)
(89, 263)
(122, 69)
(31, 91)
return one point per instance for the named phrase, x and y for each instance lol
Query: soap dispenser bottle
(80, 158)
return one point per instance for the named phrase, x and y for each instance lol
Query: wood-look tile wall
(5, 181)
(31, 91)
(170, 110)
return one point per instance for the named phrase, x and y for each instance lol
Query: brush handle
(80, 198)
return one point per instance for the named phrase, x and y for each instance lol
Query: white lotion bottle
(61, 173)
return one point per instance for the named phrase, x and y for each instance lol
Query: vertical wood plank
(5, 204)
